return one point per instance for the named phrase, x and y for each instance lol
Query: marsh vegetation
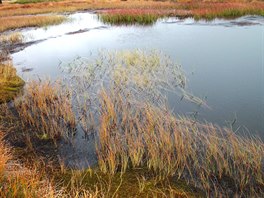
(10, 83)
(118, 100)
(11, 23)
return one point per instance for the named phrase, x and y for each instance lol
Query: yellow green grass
(10, 39)
(10, 83)
(129, 18)
(47, 108)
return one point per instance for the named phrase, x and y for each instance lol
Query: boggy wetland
(131, 99)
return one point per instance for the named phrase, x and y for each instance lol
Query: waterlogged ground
(223, 61)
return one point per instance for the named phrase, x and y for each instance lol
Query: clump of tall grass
(46, 108)
(130, 17)
(10, 23)
(7, 72)
(136, 128)
(13, 38)
(4, 56)
(202, 154)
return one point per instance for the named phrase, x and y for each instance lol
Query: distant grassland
(147, 11)
(193, 8)
(34, 1)
(9, 23)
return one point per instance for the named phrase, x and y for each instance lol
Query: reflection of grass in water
(123, 92)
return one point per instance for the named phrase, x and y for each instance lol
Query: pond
(222, 59)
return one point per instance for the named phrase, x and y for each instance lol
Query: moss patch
(134, 183)
(10, 85)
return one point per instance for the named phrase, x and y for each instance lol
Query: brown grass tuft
(10, 23)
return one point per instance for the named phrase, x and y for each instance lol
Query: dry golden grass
(201, 154)
(47, 108)
(136, 129)
(13, 38)
(4, 155)
(18, 181)
(9, 23)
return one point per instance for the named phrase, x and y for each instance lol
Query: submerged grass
(10, 23)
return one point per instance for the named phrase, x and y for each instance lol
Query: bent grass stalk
(203, 155)
(136, 129)
(46, 108)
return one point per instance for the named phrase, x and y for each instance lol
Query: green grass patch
(10, 83)
(134, 183)
(230, 14)
(128, 18)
